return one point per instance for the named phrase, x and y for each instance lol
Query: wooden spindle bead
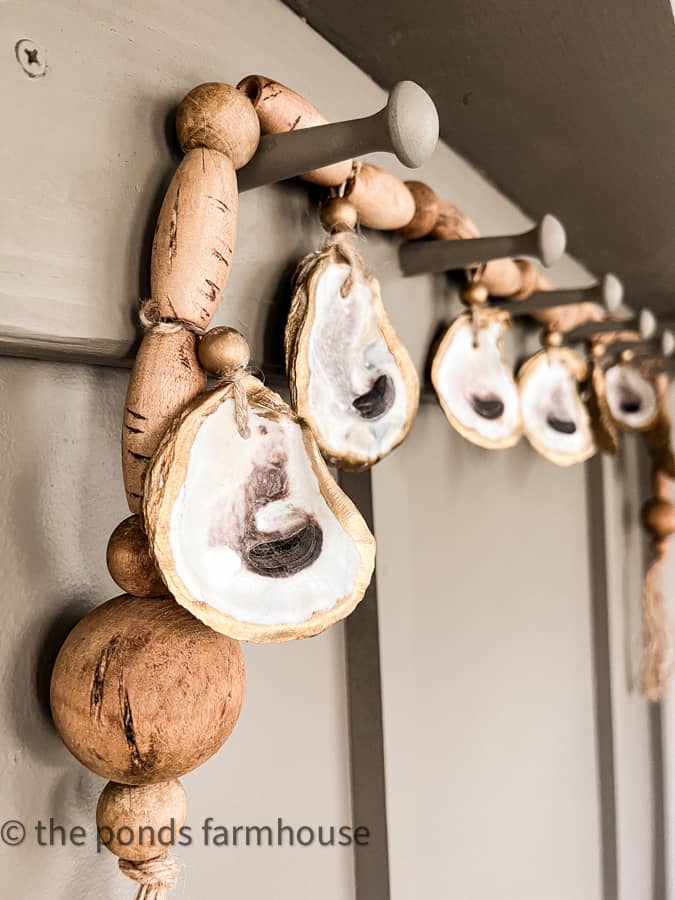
(194, 239)
(220, 117)
(143, 692)
(658, 517)
(502, 277)
(381, 199)
(451, 224)
(426, 211)
(224, 350)
(339, 214)
(139, 822)
(165, 378)
(280, 109)
(130, 563)
(567, 318)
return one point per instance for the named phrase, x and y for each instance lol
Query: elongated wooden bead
(281, 109)
(381, 199)
(194, 239)
(427, 209)
(165, 378)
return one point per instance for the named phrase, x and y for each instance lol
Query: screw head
(31, 57)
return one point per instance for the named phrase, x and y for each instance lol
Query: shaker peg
(644, 323)
(662, 345)
(546, 242)
(608, 293)
(407, 126)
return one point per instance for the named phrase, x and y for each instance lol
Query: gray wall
(484, 571)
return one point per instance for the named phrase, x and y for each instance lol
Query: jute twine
(237, 378)
(164, 324)
(156, 877)
(657, 651)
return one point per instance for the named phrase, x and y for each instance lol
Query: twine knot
(237, 378)
(156, 876)
(164, 324)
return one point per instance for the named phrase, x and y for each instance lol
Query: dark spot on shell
(378, 400)
(564, 426)
(286, 555)
(490, 407)
(629, 402)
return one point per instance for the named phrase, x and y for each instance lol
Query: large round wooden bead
(130, 563)
(143, 692)
(223, 350)
(219, 117)
(140, 822)
(658, 517)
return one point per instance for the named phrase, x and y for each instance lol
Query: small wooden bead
(219, 117)
(143, 692)
(223, 350)
(658, 517)
(426, 211)
(551, 338)
(139, 822)
(338, 214)
(475, 293)
(130, 563)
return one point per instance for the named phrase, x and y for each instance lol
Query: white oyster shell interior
(477, 386)
(356, 395)
(553, 413)
(631, 397)
(250, 531)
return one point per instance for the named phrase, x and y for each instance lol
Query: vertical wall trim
(364, 688)
(602, 675)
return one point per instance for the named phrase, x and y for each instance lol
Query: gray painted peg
(608, 293)
(545, 242)
(407, 126)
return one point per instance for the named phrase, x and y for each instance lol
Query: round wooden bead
(223, 350)
(338, 213)
(475, 293)
(219, 117)
(130, 563)
(426, 211)
(551, 337)
(139, 822)
(143, 692)
(658, 517)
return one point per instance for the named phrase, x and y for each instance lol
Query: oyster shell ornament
(475, 386)
(556, 421)
(631, 394)
(350, 377)
(249, 530)
(602, 423)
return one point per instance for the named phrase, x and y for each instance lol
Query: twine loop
(156, 877)
(237, 378)
(164, 324)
